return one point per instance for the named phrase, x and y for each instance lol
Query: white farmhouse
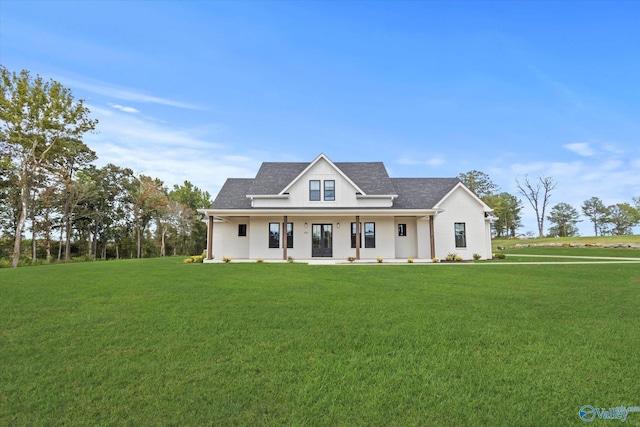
(338, 210)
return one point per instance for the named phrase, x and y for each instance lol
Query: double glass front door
(321, 240)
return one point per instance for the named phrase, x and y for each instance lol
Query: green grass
(579, 239)
(566, 251)
(158, 342)
(584, 252)
(517, 256)
(564, 254)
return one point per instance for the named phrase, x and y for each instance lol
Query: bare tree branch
(539, 202)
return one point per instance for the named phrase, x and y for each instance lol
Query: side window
(330, 190)
(461, 235)
(274, 234)
(242, 230)
(314, 190)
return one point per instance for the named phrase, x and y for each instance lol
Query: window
(353, 235)
(330, 190)
(369, 234)
(289, 235)
(461, 235)
(274, 235)
(402, 229)
(314, 190)
(242, 230)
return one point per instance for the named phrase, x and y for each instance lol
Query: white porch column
(432, 237)
(284, 238)
(210, 238)
(357, 236)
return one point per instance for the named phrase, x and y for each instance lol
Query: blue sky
(206, 90)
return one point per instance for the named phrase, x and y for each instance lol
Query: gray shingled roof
(421, 193)
(272, 178)
(371, 177)
(233, 194)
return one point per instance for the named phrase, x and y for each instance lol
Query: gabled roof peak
(312, 164)
(367, 178)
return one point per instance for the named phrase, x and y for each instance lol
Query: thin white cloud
(612, 165)
(527, 168)
(593, 176)
(174, 166)
(125, 109)
(435, 161)
(581, 148)
(613, 148)
(127, 129)
(123, 94)
(173, 155)
(42, 42)
(562, 169)
(417, 161)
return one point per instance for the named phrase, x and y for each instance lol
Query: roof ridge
(425, 177)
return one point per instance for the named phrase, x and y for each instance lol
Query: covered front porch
(317, 236)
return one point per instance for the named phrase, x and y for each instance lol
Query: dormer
(322, 184)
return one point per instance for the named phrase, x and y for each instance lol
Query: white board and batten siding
(461, 207)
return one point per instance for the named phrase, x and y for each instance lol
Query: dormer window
(330, 190)
(314, 190)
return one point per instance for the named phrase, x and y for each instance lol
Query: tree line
(51, 188)
(616, 219)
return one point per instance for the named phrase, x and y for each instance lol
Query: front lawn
(569, 251)
(159, 342)
(580, 240)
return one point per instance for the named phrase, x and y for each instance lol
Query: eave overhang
(376, 196)
(268, 196)
(221, 214)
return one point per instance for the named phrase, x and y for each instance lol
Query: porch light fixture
(306, 225)
(338, 225)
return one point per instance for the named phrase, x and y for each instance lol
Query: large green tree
(74, 156)
(191, 232)
(8, 195)
(596, 211)
(564, 218)
(507, 208)
(622, 218)
(37, 119)
(149, 199)
(112, 203)
(478, 182)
